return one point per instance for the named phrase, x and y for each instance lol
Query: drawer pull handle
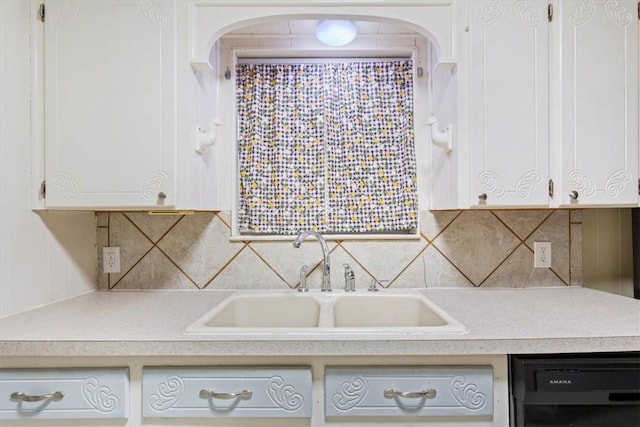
(391, 393)
(19, 396)
(244, 394)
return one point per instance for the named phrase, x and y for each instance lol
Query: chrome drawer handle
(244, 394)
(391, 393)
(19, 396)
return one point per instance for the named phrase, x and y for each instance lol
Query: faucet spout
(326, 268)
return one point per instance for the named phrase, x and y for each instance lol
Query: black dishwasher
(577, 390)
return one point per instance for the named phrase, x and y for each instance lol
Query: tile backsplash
(481, 248)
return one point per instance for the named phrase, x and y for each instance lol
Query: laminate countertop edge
(499, 321)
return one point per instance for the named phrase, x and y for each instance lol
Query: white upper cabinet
(598, 104)
(110, 97)
(508, 114)
(547, 111)
(128, 84)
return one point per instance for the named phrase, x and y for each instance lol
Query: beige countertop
(499, 321)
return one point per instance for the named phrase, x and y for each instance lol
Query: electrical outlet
(111, 259)
(542, 254)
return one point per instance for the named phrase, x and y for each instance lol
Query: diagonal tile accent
(225, 216)
(476, 242)
(287, 260)
(384, 260)
(433, 222)
(518, 272)
(153, 226)
(338, 257)
(199, 244)
(155, 271)
(133, 244)
(555, 230)
(523, 222)
(247, 271)
(474, 245)
(431, 270)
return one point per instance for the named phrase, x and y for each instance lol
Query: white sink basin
(259, 312)
(366, 311)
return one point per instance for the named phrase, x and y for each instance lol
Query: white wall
(43, 257)
(608, 250)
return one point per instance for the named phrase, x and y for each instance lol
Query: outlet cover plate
(542, 254)
(111, 259)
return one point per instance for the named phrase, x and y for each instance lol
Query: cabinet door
(109, 103)
(599, 68)
(509, 135)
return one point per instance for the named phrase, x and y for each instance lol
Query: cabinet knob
(573, 195)
(482, 197)
(161, 198)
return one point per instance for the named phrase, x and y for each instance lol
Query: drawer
(439, 391)
(231, 392)
(49, 394)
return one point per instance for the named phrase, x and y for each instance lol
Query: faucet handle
(349, 278)
(303, 279)
(374, 282)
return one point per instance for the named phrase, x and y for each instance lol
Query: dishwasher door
(577, 390)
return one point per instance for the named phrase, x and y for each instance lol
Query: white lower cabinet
(50, 394)
(226, 392)
(442, 391)
(265, 391)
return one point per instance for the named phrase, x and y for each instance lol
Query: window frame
(239, 55)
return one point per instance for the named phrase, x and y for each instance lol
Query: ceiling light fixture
(336, 33)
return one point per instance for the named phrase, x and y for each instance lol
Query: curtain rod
(318, 60)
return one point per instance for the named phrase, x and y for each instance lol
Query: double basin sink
(401, 311)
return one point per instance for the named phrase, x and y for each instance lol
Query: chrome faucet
(349, 278)
(326, 269)
(303, 279)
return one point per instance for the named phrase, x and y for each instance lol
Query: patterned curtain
(327, 147)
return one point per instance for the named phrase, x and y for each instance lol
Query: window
(326, 146)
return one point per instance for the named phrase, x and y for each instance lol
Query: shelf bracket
(206, 138)
(440, 138)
